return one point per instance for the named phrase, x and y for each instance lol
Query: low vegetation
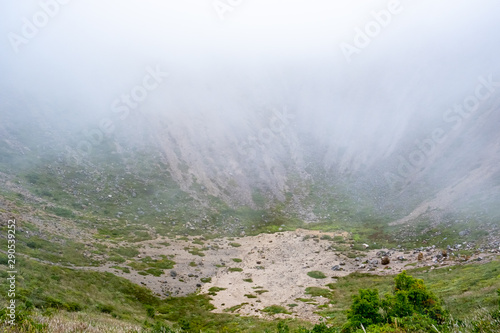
(451, 300)
(317, 275)
(235, 269)
(275, 309)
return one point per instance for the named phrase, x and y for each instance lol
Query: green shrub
(411, 296)
(105, 308)
(283, 327)
(320, 328)
(364, 310)
(411, 304)
(32, 245)
(235, 269)
(150, 311)
(72, 307)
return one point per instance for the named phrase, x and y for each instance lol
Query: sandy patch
(278, 263)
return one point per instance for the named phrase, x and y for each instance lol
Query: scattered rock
(464, 233)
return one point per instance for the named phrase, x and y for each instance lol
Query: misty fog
(263, 88)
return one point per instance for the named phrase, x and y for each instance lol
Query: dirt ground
(277, 264)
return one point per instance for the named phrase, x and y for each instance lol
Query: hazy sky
(232, 54)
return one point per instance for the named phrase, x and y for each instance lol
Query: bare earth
(278, 263)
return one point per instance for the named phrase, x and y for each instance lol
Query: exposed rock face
(282, 152)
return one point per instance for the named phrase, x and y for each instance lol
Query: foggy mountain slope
(273, 153)
(463, 166)
(246, 113)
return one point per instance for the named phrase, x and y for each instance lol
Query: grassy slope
(464, 289)
(51, 288)
(83, 197)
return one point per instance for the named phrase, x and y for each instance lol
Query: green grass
(195, 251)
(163, 263)
(62, 212)
(250, 296)
(52, 287)
(235, 269)
(108, 295)
(275, 309)
(72, 190)
(155, 271)
(123, 269)
(464, 289)
(306, 300)
(116, 259)
(235, 244)
(236, 260)
(198, 242)
(214, 290)
(152, 266)
(248, 280)
(331, 285)
(127, 252)
(317, 275)
(316, 292)
(235, 308)
(55, 249)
